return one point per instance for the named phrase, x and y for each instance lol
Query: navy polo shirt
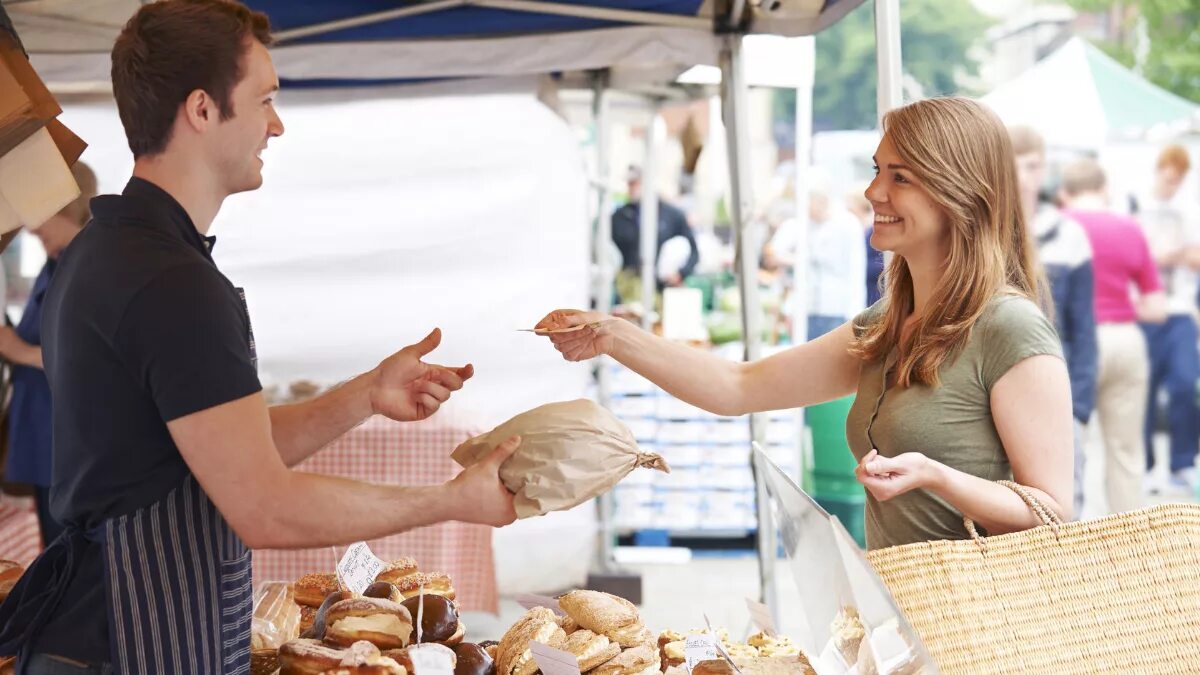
(140, 328)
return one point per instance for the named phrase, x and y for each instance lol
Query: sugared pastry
(312, 589)
(673, 653)
(384, 623)
(634, 661)
(439, 620)
(590, 649)
(599, 612)
(473, 660)
(434, 583)
(539, 624)
(397, 570)
(316, 628)
(740, 651)
(568, 624)
(308, 657)
(384, 590)
(363, 658)
(633, 635)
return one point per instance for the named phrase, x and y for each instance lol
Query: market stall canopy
(1080, 97)
(365, 42)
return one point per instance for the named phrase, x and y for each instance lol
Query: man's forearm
(311, 510)
(301, 429)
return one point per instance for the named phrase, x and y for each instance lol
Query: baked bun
(434, 583)
(312, 589)
(473, 660)
(601, 613)
(307, 657)
(397, 570)
(383, 590)
(316, 628)
(262, 661)
(590, 649)
(634, 635)
(383, 623)
(539, 624)
(439, 620)
(363, 658)
(631, 662)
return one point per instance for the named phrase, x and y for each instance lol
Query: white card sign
(529, 601)
(431, 661)
(553, 661)
(760, 614)
(697, 648)
(359, 567)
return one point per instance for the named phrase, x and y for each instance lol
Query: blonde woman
(958, 373)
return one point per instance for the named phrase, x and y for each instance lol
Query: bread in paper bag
(570, 452)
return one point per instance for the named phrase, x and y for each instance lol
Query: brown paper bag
(570, 452)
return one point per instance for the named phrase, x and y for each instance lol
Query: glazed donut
(439, 621)
(312, 589)
(473, 660)
(384, 623)
(307, 657)
(383, 590)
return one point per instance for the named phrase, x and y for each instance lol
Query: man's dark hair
(170, 49)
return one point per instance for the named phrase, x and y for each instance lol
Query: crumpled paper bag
(570, 452)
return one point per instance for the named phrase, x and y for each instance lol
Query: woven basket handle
(1045, 514)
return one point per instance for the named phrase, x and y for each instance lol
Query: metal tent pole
(890, 90)
(734, 96)
(648, 210)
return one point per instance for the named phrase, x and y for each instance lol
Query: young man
(168, 465)
(1173, 229)
(1121, 260)
(1066, 256)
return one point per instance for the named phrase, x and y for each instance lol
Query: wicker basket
(1115, 595)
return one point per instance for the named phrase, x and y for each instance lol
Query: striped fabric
(179, 588)
(20, 538)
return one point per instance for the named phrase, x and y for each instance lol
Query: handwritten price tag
(553, 661)
(760, 614)
(359, 567)
(697, 648)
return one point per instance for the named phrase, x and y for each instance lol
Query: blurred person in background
(836, 261)
(860, 207)
(29, 413)
(1120, 258)
(1066, 257)
(627, 235)
(1172, 227)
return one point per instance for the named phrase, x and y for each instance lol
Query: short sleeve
(186, 338)
(1013, 331)
(1146, 275)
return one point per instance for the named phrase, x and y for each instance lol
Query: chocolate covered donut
(439, 619)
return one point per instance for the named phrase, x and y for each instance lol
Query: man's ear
(200, 110)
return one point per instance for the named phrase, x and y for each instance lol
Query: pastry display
(404, 656)
(383, 623)
(276, 617)
(473, 659)
(312, 589)
(513, 656)
(316, 627)
(397, 570)
(590, 649)
(384, 590)
(364, 658)
(308, 657)
(439, 620)
(636, 661)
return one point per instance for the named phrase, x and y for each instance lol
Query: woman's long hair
(961, 154)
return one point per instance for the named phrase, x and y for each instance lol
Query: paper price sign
(434, 661)
(699, 648)
(529, 601)
(359, 567)
(760, 614)
(553, 661)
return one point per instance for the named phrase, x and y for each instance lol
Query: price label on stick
(358, 568)
(720, 647)
(697, 648)
(431, 661)
(760, 614)
(529, 601)
(553, 661)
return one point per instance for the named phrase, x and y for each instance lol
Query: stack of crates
(829, 466)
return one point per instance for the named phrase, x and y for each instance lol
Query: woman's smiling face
(908, 222)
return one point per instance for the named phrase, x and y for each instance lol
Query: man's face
(1169, 180)
(240, 140)
(1031, 173)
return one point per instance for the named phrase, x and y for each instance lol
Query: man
(627, 235)
(1120, 259)
(168, 465)
(860, 207)
(837, 260)
(1173, 230)
(1066, 256)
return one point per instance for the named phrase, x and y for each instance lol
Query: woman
(959, 375)
(29, 413)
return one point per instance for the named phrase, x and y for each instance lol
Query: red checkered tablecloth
(20, 538)
(410, 453)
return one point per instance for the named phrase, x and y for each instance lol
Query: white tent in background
(1080, 97)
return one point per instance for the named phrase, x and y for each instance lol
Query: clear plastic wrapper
(276, 616)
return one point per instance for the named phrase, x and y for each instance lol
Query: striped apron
(178, 583)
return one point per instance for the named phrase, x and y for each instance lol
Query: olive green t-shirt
(951, 423)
